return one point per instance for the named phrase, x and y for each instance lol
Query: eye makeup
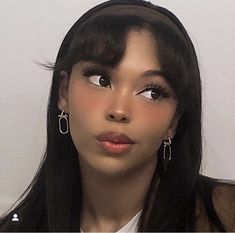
(157, 91)
(97, 76)
(88, 71)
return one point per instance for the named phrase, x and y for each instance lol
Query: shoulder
(224, 203)
(222, 191)
(219, 196)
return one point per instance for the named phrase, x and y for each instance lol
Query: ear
(172, 129)
(63, 103)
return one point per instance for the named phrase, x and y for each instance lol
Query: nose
(119, 109)
(118, 117)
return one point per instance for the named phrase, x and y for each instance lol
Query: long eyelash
(89, 71)
(165, 93)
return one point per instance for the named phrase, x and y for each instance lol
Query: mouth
(114, 142)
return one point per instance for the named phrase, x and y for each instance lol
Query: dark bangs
(103, 40)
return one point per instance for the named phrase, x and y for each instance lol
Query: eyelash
(162, 91)
(88, 72)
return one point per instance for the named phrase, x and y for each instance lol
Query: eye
(151, 94)
(100, 80)
(155, 92)
(97, 76)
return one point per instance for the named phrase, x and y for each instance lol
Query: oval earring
(65, 117)
(166, 153)
(167, 145)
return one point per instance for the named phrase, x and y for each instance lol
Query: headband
(142, 11)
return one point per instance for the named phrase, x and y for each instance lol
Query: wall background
(31, 32)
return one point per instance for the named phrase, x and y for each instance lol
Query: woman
(124, 132)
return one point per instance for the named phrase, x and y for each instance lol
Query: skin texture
(114, 185)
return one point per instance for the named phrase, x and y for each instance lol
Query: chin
(108, 166)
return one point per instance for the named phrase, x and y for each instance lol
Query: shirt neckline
(130, 226)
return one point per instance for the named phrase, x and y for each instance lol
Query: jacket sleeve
(224, 203)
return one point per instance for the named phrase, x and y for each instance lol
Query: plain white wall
(31, 32)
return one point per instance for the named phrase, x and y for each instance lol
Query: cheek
(155, 120)
(83, 100)
(84, 110)
(80, 99)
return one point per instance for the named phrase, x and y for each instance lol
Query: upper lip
(115, 137)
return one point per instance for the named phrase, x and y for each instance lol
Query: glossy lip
(115, 137)
(115, 142)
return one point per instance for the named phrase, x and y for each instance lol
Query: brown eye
(151, 93)
(100, 80)
(155, 92)
(97, 76)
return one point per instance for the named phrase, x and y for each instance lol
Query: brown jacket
(223, 198)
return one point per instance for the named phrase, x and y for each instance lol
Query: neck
(113, 201)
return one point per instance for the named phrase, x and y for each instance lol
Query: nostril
(117, 117)
(111, 116)
(124, 119)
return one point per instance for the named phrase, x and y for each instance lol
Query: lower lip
(115, 148)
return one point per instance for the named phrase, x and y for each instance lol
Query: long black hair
(52, 202)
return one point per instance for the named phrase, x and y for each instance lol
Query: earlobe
(172, 129)
(170, 134)
(63, 91)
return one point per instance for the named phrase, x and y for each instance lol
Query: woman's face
(131, 99)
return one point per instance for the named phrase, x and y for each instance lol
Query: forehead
(141, 51)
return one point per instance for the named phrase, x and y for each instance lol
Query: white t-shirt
(131, 226)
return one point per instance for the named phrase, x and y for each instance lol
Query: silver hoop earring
(167, 150)
(65, 117)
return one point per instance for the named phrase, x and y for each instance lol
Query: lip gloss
(115, 148)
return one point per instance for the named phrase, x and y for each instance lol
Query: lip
(115, 142)
(115, 137)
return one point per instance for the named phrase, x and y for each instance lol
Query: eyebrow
(152, 73)
(97, 65)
